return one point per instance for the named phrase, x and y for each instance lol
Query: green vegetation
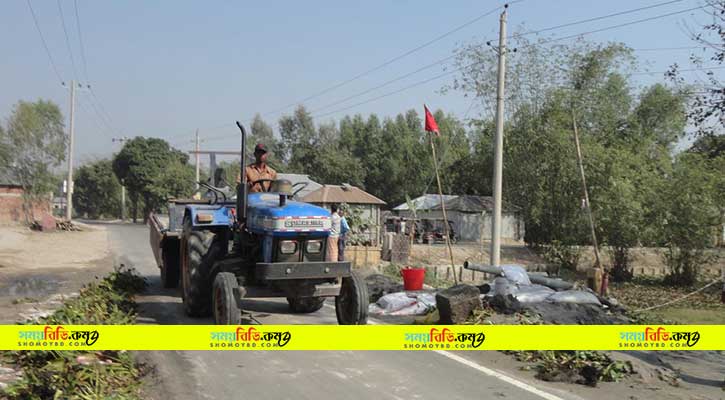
(80, 374)
(31, 145)
(97, 190)
(153, 171)
(584, 367)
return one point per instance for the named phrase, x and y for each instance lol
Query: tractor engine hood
(265, 215)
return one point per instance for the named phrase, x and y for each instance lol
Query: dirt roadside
(38, 269)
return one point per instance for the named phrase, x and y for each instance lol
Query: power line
(95, 102)
(541, 30)
(390, 93)
(548, 41)
(639, 21)
(611, 27)
(45, 45)
(679, 70)
(593, 19)
(669, 48)
(390, 61)
(67, 40)
(80, 39)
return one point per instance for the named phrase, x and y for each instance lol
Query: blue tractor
(224, 249)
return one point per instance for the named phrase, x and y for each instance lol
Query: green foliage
(565, 256)
(79, 374)
(359, 226)
(707, 110)
(153, 171)
(97, 191)
(584, 367)
(31, 145)
(689, 210)
(626, 138)
(390, 159)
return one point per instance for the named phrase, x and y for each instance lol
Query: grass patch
(583, 367)
(84, 375)
(690, 316)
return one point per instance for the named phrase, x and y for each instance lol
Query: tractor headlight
(314, 246)
(288, 247)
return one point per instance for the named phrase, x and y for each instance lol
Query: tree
(298, 134)
(32, 144)
(707, 111)
(153, 171)
(688, 212)
(626, 138)
(711, 146)
(97, 190)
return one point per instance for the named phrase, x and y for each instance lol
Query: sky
(167, 68)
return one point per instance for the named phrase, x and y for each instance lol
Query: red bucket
(413, 278)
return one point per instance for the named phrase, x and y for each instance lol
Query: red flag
(430, 122)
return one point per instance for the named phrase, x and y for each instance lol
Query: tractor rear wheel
(199, 251)
(305, 305)
(226, 308)
(351, 305)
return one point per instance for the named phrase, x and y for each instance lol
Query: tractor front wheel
(351, 305)
(226, 309)
(305, 305)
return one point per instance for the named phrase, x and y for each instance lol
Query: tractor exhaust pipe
(242, 187)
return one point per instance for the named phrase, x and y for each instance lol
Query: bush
(621, 270)
(564, 255)
(82, 374)
(584, 367)
(683, 265)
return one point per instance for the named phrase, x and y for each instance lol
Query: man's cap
(260, 147)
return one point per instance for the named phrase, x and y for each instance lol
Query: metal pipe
(534, 278)
(242, 188)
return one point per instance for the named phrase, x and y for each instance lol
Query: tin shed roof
(341, 194)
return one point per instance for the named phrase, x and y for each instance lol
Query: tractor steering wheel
(260, 181)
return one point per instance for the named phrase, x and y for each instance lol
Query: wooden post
(596, 273)
(443, 208)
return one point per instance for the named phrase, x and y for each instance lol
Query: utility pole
(197, 159)
(123, 201)
(123, 184)
(498, 151)
(69, 184)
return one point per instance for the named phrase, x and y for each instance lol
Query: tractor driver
(259, 170)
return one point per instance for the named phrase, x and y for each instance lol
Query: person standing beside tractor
(332, 253)
(259, 170)
(344, 229)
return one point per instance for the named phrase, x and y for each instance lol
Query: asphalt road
(315, 375)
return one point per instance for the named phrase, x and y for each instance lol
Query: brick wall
(11, 206)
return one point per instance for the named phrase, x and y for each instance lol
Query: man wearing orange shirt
(259, 170)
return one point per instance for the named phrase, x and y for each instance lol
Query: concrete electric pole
(69, 182)
(123, 184)
(498, 151)
(197, 159)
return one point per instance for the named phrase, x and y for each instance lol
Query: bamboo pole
(443, 207)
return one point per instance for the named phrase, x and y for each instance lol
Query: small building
(298, 179)
(470, 215)
(368, 205)
(12, 203)
(424, 202)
